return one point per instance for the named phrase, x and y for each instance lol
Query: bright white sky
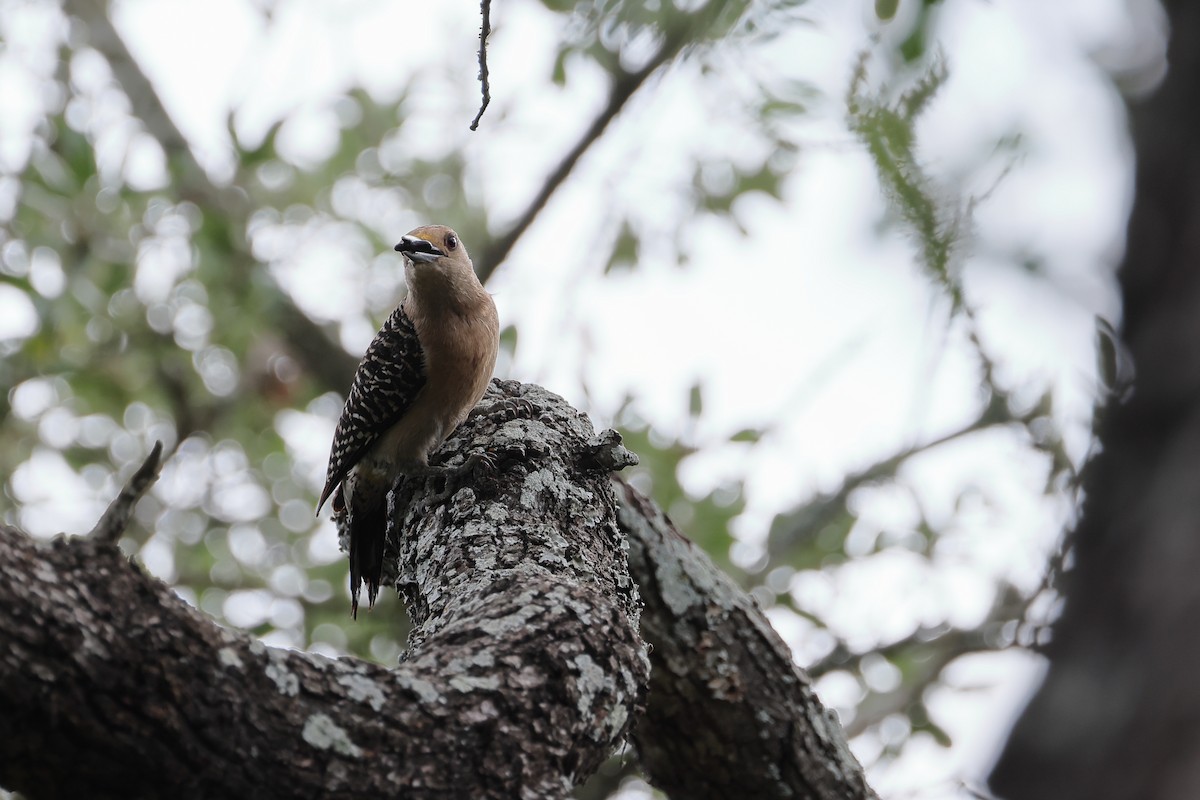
(812, 323)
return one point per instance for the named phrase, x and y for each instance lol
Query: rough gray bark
(525, 671)
(730, 715)
(525, 667)
(1118, 715)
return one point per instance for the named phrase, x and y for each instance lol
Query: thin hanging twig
(485, 8)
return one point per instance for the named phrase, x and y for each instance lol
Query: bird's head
(436, 265)
(434, 245)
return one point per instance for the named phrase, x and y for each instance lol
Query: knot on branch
(606, 453)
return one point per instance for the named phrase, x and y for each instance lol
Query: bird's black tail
(367, 523)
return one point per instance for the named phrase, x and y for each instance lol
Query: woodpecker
(422, 374)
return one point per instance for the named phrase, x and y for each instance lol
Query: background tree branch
(1118, 714)
(311, 346)
(730, 714)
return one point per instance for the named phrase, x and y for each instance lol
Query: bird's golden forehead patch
(433, 234)
(439, 236)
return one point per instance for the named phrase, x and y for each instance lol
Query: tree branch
(524, 671)
(143, 97)
(623, 88)
(524, 661)
(1117, 715)
(810, 519)
(729, 714)
(929, 659)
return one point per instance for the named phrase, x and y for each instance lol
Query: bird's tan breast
(459, 364)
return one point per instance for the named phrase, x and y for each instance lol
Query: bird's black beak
(418, 249)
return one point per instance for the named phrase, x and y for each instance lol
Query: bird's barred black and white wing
(387, 381)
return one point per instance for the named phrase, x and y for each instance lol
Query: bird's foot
(473, 464)
(476, 462)
(508, 409)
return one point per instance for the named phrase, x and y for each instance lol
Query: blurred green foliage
(161, 313)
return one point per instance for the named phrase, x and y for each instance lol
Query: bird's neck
(435, 294)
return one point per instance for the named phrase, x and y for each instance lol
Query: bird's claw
(475, 462)
(510, 408)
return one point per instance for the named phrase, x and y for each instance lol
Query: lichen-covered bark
(729, 715)
(530, 554)
(525, 666)
(525, 669)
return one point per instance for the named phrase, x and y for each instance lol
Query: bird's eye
(451, 241)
